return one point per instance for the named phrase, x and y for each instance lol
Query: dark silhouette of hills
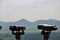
(30, 25)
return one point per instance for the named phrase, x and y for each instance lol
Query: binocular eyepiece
(47, 27)
(14, 28)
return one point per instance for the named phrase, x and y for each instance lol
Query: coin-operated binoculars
(46, 30)
(0, 27)
(17, 31)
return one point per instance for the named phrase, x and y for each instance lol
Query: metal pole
(45, 34)
(18, 36)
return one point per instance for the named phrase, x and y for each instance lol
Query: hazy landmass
(31, 32)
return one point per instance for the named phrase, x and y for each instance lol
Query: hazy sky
(13, 10)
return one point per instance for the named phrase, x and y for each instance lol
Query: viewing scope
(0, 27)
(14, 28)
(47, 27)
(17, 29)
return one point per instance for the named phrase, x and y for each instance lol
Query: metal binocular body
(0, 27)
(16, 30)
(47, 27)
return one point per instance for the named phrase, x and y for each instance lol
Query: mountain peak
(23, 20)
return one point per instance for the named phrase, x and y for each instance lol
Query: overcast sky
(13, 10)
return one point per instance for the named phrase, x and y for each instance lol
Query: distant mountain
(22, 22)
(50, 21)
(30, 25)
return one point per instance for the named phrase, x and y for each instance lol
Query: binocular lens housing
(17, 28)
(47, 27)
(0, 27)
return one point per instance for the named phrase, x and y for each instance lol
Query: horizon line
(28, 20)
